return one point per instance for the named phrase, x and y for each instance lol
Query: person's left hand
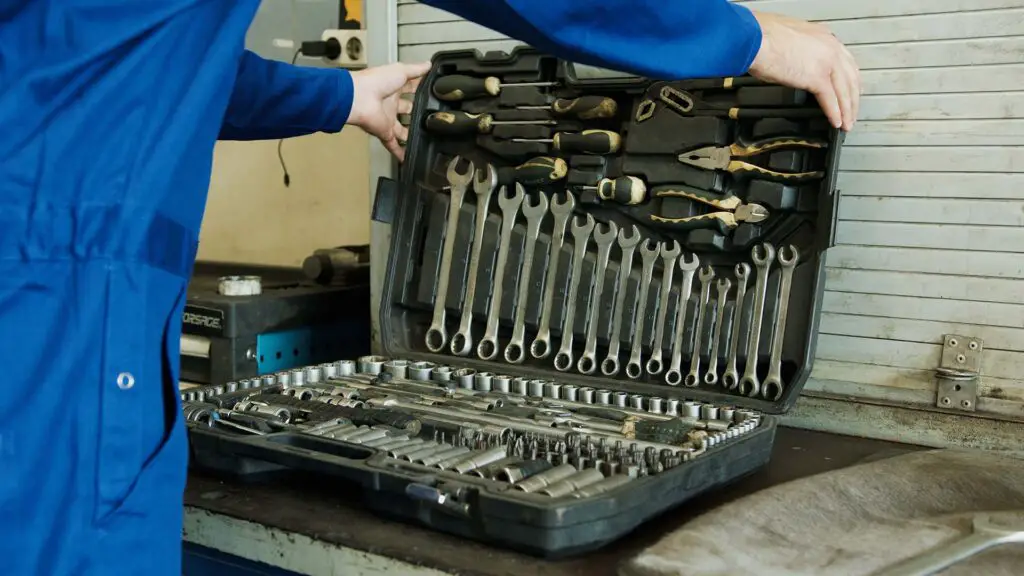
(377, 101)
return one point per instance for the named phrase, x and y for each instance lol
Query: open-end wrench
(604, 240)
(731, 378)
(484, 183)
(772, 389)
(487, 349)
(674, 376)
(580, 239)
(722, 288)
(515, 352)
(437, 334)
(707, 275)
(649, 252)
(627, 244)
(560, 211)
(668, 256)
(762, 254)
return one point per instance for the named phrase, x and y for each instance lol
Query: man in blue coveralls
(109, 111)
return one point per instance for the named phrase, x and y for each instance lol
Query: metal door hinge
(958, 373)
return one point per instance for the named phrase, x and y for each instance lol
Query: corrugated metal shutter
(931, 237)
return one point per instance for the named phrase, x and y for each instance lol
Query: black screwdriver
(584, 107)
(456, 123)
(627, 190)
(586, 142)
(456, 87)
(538, 171)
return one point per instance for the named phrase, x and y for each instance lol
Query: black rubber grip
(456, 87)
(540, 171)
(586, 107)
(455, 123)
(587, 142)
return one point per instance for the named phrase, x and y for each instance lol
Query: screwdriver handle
(628, 190)
(586, 107)
(540, 171)
(455, 87)
(457, 123)
(587, 142)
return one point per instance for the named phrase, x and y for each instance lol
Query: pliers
(725, 158)
(731, 210)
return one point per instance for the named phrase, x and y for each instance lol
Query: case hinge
(958, 373)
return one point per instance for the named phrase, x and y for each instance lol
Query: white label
(283, 43)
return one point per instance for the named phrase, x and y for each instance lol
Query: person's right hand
(808, 56)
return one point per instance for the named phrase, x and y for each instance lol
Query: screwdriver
(539, 171)
(456, 123)
(456, 87)
(584, 107)
(627, 190)
(586, 142)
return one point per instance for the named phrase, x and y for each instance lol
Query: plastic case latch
(385, 200)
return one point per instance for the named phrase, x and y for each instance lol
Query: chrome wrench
(604, 240)
(580, 238)
(731, 378)
(484, 183)
(437, 334)
(627, 244)
(649, 256)
(560, 211)
(668, 256)
(722, 287)
(763, 264)
(707, 275)
(515, 351)
(487, 349)
(674, 376)
(772, 389)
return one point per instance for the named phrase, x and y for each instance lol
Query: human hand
(808, 56)
(377, 101)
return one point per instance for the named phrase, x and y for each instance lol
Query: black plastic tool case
(802, 216)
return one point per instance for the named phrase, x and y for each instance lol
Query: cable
(280, 143)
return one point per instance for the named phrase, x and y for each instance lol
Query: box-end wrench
(580, 238)
(762, 255)
(722, 287)
(484, 183)
(437, 334)
(674, 376)
(627, 244)
(707, 276)
(649, 252)
(487, 349)
(668, 256)
(604, 237)
(515, 351)
(560, 211)
(772, 389)
(731, 378)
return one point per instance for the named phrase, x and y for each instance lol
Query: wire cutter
(731, 210)
(733, 158)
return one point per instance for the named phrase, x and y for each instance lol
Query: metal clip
(676, 99)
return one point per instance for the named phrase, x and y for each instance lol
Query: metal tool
(773, 388)
(668, 256)
(645, 110)
(437, 334)
(585, 142)
(567, 486)
(627, 190)
(487, 349)
(484, 183)
(725, 158)
(649, 256)
(750, 384)
(457, 123)
(674, 376)
(731, 378)
(722, 287)
(455, 87)
(706, 276)
(676, 99)
(604, 237)
(560, 211)
(584, 107)
(581, 236)
(515, 351)
(627, 245)
(547, 478)
(731, 210)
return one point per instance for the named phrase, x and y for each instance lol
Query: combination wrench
(722, 287)
(648, 256)
(437, 334)
(772, 389)
(560, 211)
(627, 244)
(674, 376)
(580, 238)
(763, 264)
(668, 256)
(731, 378)
(487, 349)
(604, 240)
(484, 183)
(707, 275)
(515, 351)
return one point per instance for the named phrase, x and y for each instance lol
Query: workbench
(313, 526)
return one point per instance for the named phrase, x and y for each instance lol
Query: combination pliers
(731, 210)
(733, 158)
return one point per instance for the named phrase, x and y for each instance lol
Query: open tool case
(690, 185)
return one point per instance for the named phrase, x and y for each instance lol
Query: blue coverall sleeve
(661, 39)
(273, 100)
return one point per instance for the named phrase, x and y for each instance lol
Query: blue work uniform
(109, 111)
